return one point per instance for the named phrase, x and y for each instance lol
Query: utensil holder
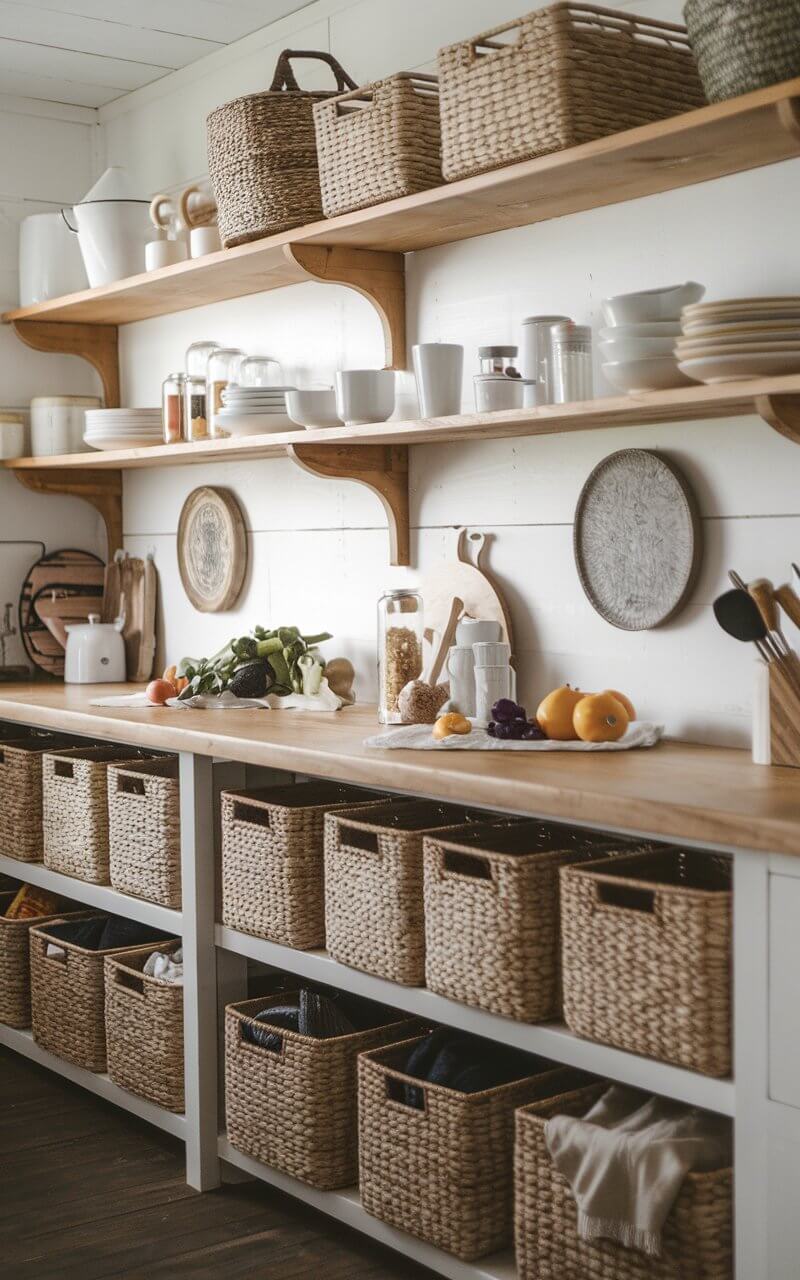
(784, 714)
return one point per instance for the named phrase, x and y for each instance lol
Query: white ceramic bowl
(622, 350)
(652, 304)
(365, 395)
(651, 329)
(659, 373)
(313, 408)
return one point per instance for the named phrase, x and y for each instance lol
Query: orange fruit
(554, 713)
(626, 702)
(600, 717)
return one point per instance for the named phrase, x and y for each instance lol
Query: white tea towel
(325, 700)
(167, 968)
(626, 1160)
(418, 737)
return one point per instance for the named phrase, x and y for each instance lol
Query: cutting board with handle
(464, 576)
(131, 588)
(68, 573)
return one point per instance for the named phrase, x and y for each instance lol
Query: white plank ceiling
(88, 52)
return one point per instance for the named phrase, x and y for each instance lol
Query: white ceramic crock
(50, 262)
(58, 424)
(113, 227)
(95, 652)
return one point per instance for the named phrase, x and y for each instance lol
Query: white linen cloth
(167, 968)
(325, 700)
(418, 737)
(626, 1160)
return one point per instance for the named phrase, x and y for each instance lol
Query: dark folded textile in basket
(464, 1062)
(104, 933)
(314, 1015)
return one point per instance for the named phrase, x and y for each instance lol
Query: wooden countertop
(678, 791)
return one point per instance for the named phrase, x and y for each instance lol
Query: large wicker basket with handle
(144, 1028)
(572, 73)
(262, 155)
(144, 828)
(15, 967)
(697, 1237)
(742, 45)
(21, 834)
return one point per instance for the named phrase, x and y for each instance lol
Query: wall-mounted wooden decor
(212, 549)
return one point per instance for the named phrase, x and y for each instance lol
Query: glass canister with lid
(223, 368)
(197, 356)
(400, 636)
(260, 371)
(572, 362)
(172, 408)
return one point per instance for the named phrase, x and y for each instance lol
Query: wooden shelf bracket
(782, 412)
(96, 343)
(375, 273)
(382, 468)
(103, 489)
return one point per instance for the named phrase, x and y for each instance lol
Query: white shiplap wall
(319, 549)
(47, 160)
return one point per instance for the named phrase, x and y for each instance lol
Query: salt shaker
(494, 678)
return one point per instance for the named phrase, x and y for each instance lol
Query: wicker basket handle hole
(355, 838)
(64, 769)
(284, 77)
(251, 814)
(403, 1095)
(133, 983)
(352, 106)
(130, 786)
(275, 1049)
(500, 42)
(627, 897)
(2, 756)
(467, 864)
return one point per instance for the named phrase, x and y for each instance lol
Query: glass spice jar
(260, 371)
(197, 356)
(223, 368)
(195, 420)
(172, 408)
(400, 635)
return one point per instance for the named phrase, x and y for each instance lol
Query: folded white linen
(167, 968)
(418, 737)
(626, 1161)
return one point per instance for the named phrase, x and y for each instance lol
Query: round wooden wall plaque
(212, 549)
(637, 539)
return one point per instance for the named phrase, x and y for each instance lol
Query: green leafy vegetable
(296, 664)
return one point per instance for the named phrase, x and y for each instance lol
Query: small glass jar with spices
(223, 369)
(172, 408)
(400, 635)
(195, 418)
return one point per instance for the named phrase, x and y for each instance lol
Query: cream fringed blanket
(626, 1160)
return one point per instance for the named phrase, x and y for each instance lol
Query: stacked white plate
(638, 345)
(123, 428)
(740, 338)
(249, 411)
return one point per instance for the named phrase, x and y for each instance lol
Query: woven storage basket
(262, 155)
(374, 914)
(21, 834)
(379, 142)
(573, 73)
(492, 923)
(273, 859)
(144, 829)
(697, 1236)
(296, 1109)
(442, 1171)
(15, 968)
(741, 45)
(75, 809)
(647, 956)
(68, 996)
(144, 1029)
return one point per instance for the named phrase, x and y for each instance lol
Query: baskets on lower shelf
(574, 72)
(273, 859)
(21, 834)
(647, 955)
(697, 1236)
(68, 992)
(15, 969)
(75, 809)
(443, 1170)
(492, 926)
(295, 1107)
(379, 142)
(144, 1029)
(144, 831)
(373, 885)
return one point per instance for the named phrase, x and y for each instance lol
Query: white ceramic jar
(12, 435)
(58, 424)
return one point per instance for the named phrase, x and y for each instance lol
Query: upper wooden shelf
(777, 400)
(729, 137)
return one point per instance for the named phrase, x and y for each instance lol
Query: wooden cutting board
(464, 576)
(131, 585)
(68, 573)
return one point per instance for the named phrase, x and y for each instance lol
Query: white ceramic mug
(203, 240)
(364, 395)
(472, 631)
(438, 367)
(461, 670)
(164, 253)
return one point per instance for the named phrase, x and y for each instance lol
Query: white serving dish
(313, 408)
(660, 373)
(245, 424)
(625, 349)
(738, 336)
(654, 329)
(730, 368)
(652, 304)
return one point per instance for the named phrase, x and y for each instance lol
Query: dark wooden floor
(87, 1191)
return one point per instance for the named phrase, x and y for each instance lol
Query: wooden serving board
(465, 576)
(131, 586)
(68, 573)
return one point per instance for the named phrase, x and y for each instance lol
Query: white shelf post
(200, 970)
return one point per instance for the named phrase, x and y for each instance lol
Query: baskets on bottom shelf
(144, 1029)
(647, 955)
(441, 1169)
(294, 1106)
(67, 986)
(697, 1235)
(15, 969)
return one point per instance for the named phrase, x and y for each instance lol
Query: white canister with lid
(12, 435)
(58, 424)
(494, 677)
(95, 652)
